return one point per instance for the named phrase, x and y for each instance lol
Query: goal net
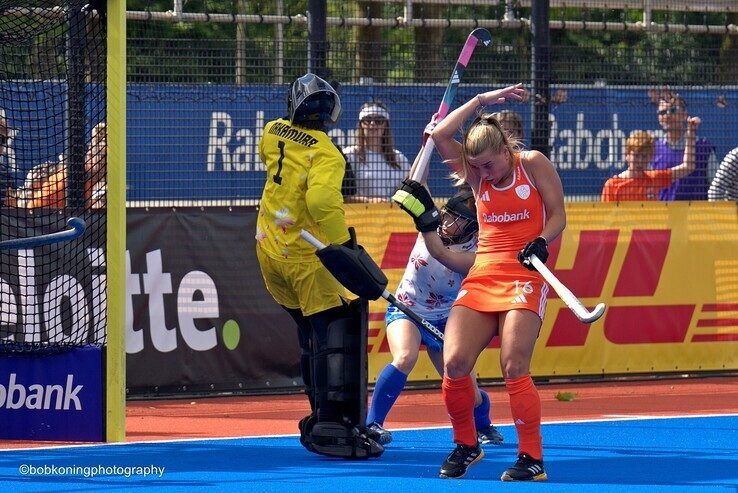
(53, 236)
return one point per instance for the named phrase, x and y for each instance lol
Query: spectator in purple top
(669, 152)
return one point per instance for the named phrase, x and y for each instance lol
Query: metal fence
(202, 83)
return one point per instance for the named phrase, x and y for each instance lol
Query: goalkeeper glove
(414, 198)
(352, 266)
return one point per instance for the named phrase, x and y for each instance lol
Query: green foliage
(565, 396)
(222, 53)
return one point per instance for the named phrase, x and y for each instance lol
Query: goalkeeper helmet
(311, 99)
(458, 219)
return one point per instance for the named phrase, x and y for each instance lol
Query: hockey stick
(76, 229)
(566, 295)
(479, 35)
(429, 327)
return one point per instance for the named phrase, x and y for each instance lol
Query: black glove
(352, 266)
(537, 247)
(414, 198)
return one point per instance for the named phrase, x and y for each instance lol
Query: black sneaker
(526, 468)
(378, 433)
(459, 460)
(489, 435)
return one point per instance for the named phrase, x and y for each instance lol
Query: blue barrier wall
(197, 142)
(210, 133)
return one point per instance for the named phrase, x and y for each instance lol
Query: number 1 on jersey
(278, 179)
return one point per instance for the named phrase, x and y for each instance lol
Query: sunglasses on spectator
(373, 120)
(670, 111)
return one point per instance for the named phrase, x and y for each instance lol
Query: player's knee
(515, 367)
(405, 359)
(457, 365)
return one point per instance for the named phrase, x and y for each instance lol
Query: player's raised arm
(443, 134)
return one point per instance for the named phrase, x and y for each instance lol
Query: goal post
(115, 363)
(62, 220)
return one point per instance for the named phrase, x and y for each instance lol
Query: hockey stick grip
(424, 158)
(305, 235)
(564, 293)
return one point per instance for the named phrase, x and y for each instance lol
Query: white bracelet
(479, 100)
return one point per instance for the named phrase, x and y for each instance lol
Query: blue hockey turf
(635, 455)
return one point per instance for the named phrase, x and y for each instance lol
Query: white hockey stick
(566, 295)
(426, 325)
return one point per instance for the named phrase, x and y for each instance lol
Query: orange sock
(525, 405)
(458, 394)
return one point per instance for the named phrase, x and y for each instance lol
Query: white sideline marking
(612, 417)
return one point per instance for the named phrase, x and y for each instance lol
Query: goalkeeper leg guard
(339, 440)
(339, 365)
(306, 426)
(340, 380)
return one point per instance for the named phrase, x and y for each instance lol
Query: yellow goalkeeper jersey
(304, 172)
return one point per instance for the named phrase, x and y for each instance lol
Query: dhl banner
(668, 273)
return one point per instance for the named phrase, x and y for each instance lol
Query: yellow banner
(668, 273)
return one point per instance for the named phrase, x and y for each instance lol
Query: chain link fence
(204, 77)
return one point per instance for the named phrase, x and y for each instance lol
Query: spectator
(512, 123)
(638, 182)
(669, 152)
(96, 162)
(377, 166)
(725, 184)
(46, 183)
(45, 186)
(5, 182)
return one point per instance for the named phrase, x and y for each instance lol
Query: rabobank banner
(52, 396)
(200, 141)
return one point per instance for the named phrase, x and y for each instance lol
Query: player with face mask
(429, 287)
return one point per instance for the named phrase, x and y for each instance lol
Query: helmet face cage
(312, 99)
(463, 220)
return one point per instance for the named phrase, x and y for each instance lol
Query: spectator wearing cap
(377, 166)
(669, 152)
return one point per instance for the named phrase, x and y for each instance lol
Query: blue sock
(481, 412)
(386, 391)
